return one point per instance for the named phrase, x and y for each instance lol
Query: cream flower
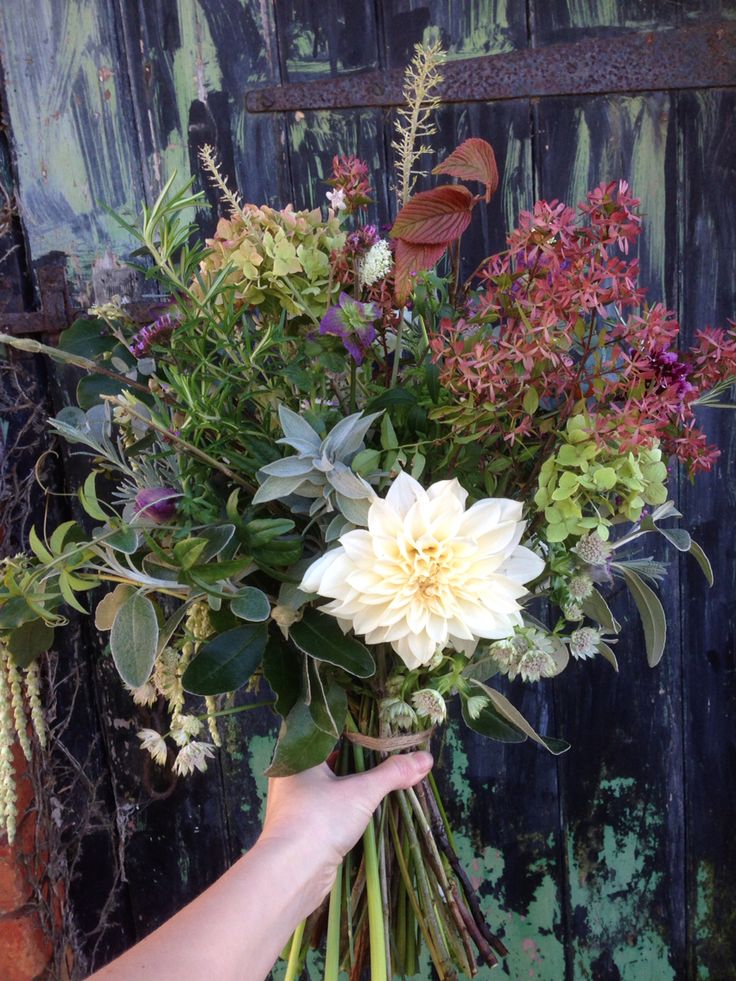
(427, 574)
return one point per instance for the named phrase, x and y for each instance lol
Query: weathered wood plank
(622, 788)
(466, 29)
(708, 251)
(326, 38)
(189, 65)
(76, 147)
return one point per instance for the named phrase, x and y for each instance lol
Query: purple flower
(156, 503)
(155, 333)
(351, 321)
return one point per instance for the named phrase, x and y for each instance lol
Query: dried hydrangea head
(193, 757)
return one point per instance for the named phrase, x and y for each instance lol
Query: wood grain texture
(76, 147)
(708, 249)
(622, 789)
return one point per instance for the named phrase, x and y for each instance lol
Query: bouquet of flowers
(334, 471)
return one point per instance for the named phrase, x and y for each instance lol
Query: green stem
(353, 373)
(292, 967)
(235, 709)
(397, 350)
(332, 950)
(373, 884)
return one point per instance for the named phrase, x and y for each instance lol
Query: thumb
(396, 773)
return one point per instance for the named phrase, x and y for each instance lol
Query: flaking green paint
(612, 882)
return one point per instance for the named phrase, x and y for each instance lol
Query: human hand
(323, 815)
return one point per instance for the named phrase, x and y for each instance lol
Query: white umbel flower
(193, 757)
(155, 744)
(376, 263)
(427, 574)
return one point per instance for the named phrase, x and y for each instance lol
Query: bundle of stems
(402, 886)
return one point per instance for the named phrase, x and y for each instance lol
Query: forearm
(235, 930)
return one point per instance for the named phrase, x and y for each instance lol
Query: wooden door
(616, 861)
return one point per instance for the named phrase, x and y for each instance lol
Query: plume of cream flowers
(427, 574)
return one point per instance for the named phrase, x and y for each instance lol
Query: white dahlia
(427, 574)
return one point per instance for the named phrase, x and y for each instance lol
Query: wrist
(304, 873)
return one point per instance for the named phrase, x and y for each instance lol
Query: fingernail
(423, 761)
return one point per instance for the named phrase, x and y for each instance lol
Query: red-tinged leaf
(435, 217)
(412, 258)
(474, 160)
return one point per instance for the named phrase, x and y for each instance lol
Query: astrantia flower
(427, 574)
(155, 744)
(580, 587)
(429, 704)
(158, 504)
(528, 653)
(353, 323)
(398, 713)
(184, 728)
(584, 642)
(144, 694)
(193, 757)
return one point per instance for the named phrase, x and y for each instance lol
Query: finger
(396, 773)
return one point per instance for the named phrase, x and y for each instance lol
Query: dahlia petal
(404, 491)
(523, 565)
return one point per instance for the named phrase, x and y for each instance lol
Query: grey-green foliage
(320, 470)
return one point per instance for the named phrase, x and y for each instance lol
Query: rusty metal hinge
(698, 57)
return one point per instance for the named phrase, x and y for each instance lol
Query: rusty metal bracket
(56, 308)
(698, 57)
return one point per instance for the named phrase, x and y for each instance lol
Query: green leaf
(703, 561)
(91, 387)
(280, 552)
(251, 604)
(109, 605)
(227, 661)
(530, 402)
(88, 498)
(320, 636)
(67, 591)
(15, 611)
(29, 640)
(88, 338)
(133, 640)
(60, 536)
(389, 440)
(217, 571)
(38, 548)
(301, 744)
(652, 615)
(218, 537)
(328, 705)
(504, 708)
(492, 724)
(188, 552)
(608, 654)
(282, 668)
(366, 462)
(400, 397)
(595, 607)
(263, 531)
(124, 540)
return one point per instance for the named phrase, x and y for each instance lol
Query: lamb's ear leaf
(504, 708)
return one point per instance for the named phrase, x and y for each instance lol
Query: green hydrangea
(585, 487)
(280, 260)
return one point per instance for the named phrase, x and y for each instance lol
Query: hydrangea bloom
(427, 574)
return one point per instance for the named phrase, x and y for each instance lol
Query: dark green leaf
(282, 667)
(301, 744)
(280, 552)
(261, 531)
(320, 636)
(14, 612)
(504, 708)
(133, 640)
(227, 661)
(124, 540)
(29, 640)
(188, 552)
(493, 725)
(328, 703)
(218, 537)
(91, 387)
(88, 338)
(217, 571)
(393, 397)
(251, 604)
